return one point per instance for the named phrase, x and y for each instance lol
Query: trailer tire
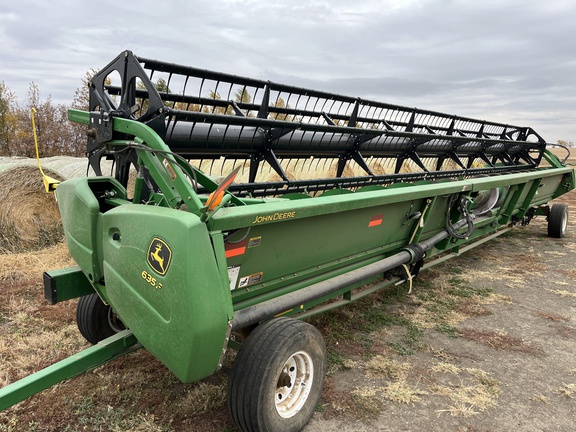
(262, 395)
(96, 320)
(558, 220)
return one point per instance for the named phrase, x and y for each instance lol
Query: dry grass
(561, 293)
(568, 391)
(500, 341)
(566, 331)
(203, 397)
(446, 368)
(451, 299)
(403, 392)
(304, 168)
(386, 367)
(30, 338)
(26, 348)
(474, 392)
(29, 217)
(440, 354)
(142, 423)
(443, 298)
(552, 316)
(472, 308)
(539, 398)
(365, 400)
(468, 391)
(570, 273)
(370, 398)
(31, 265)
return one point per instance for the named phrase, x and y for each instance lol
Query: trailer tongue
(234, 201)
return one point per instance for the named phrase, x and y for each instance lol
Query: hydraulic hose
(462, 208)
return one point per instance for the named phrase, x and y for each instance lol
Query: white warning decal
(250, 280)
(233, 272)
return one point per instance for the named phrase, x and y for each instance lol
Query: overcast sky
(509, 61)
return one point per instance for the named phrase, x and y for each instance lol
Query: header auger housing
(234, 201)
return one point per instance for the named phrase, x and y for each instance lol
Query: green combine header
(237, 207)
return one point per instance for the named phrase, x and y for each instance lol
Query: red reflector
(235, 249)
(376, 220)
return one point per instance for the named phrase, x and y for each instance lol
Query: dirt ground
(509, 364)
(486, 342)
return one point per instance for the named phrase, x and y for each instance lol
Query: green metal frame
(66, 284)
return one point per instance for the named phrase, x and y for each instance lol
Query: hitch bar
(109, 349)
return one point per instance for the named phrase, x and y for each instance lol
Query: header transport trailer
(239, 206)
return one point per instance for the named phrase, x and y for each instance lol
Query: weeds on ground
(442, 298)
(568, 391)
(500, 340)
(561, 293)
(474, 392)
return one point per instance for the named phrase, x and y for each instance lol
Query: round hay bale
(29, 217)
(348, 171)
(378, 169)
(274, 177)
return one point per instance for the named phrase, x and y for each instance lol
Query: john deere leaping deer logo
(159, 256)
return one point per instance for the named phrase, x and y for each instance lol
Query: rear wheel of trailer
(277, 378)
(558, 220)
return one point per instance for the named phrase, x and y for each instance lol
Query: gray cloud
(511, 61)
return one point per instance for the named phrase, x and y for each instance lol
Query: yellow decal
(159, 256)
(151, 279)
(169, 169)
(246, 281)
(274, 217)
(254, 242)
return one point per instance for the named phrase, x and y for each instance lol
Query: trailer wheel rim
(564, 222)
(114, 321)
(294, 384)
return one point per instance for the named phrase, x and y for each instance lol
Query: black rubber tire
(94, 319)
(558, 220)
(254, 381)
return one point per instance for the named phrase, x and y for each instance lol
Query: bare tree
(7, 120)
(56, 134)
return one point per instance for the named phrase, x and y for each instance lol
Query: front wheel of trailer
(277, 377)
(96, 320)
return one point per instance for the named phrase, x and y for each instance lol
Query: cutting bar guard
(290, 139)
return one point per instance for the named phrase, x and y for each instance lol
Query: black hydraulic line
(462, 208)
(261, 311)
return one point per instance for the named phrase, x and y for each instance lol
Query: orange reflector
(376, 220)
(215, 198)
